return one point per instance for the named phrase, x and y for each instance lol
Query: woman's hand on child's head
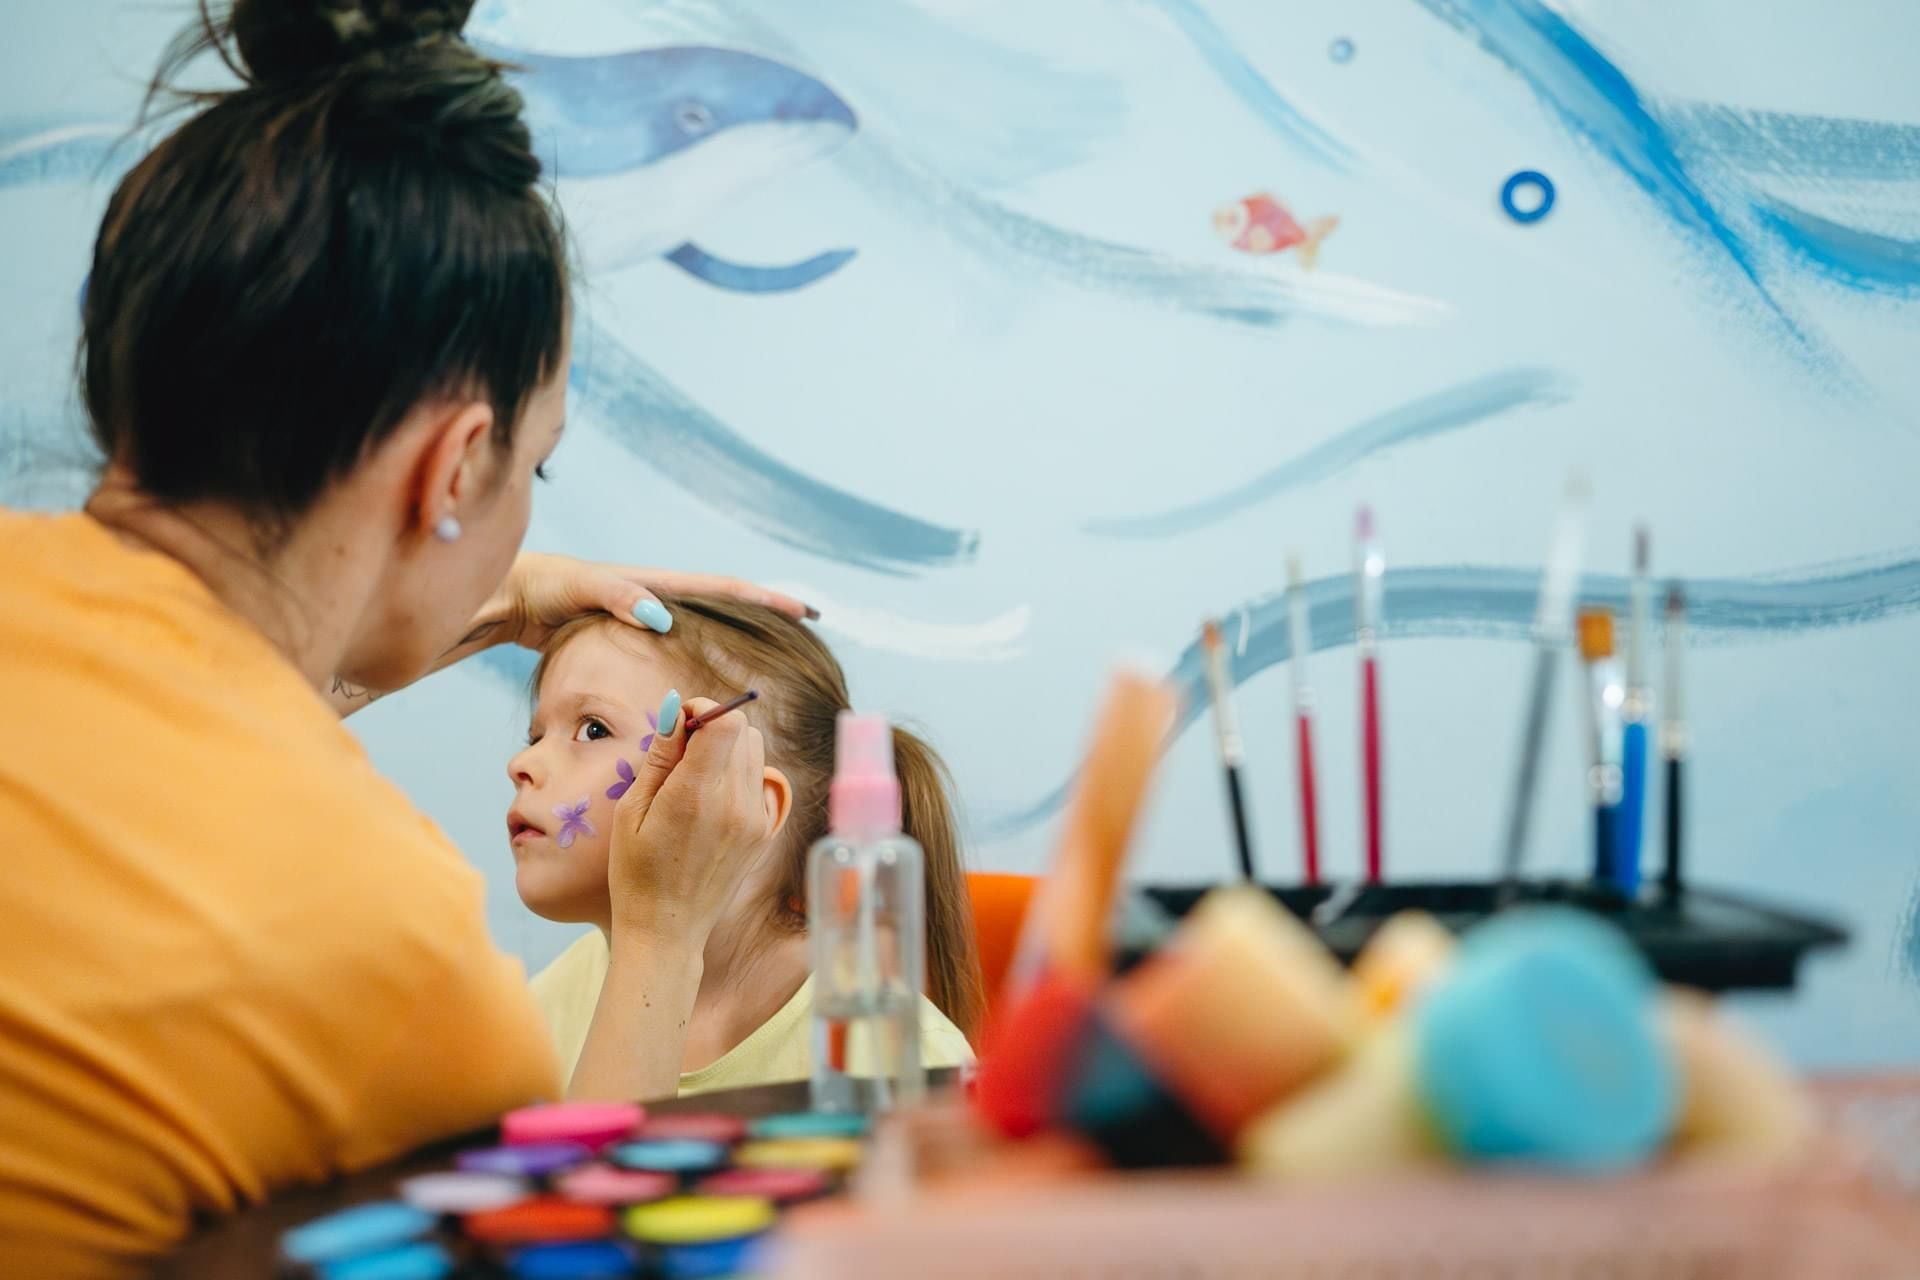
(688, 829)
(543, 591)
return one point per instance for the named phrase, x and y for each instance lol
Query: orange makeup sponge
(1243, 1006)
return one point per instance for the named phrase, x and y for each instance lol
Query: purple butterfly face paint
(573, 822)
(646, 743)
(619, 788)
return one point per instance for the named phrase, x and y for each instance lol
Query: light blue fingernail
(669, 718)
(653, 615)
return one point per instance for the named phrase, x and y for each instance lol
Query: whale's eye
(693, 117)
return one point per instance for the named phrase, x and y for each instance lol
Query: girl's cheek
(593, 854)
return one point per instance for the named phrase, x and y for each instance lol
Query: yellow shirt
(778, 1049)
(235, 957)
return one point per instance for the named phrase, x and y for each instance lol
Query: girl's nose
(525, 767)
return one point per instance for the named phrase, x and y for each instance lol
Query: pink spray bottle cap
(865, 796)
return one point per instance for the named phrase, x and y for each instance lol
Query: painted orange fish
(1261, 224)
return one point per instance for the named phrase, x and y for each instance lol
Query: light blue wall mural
(1018, 337)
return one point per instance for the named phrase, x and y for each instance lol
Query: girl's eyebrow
(568, 705)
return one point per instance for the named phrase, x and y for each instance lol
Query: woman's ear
(451, 472)
(776, 792)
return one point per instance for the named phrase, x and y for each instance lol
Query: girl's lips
(519, 829)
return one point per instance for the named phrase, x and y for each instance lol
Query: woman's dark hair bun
(354, 231)
(281, 40)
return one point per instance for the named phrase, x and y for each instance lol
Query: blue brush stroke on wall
(67, 153)
(1857, 259)
(740, 278)
(1591, 97)
(1790, 145)
(658, 424)
(1490, 603)
(1909, 943)
(1443, 411)
(1244, 80)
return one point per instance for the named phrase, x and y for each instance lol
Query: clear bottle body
(866, 917)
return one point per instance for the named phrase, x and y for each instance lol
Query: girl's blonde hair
(721, 647)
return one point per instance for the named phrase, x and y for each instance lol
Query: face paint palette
(577, 1191)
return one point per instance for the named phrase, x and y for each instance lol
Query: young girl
(595, 694)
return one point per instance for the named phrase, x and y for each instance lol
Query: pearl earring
(448, 530)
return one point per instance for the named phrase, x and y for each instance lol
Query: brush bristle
(1210, 634)
(1596, 634)
(1293, 569)
(1640, 549)
(1363, 523)
(1071, 932)
(1676, 599)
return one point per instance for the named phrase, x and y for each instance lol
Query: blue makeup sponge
(1541, 1046)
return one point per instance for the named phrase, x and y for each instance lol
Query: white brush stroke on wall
(997, 639)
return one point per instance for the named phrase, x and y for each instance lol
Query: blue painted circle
(811, 1124)
(421, 1260)
(670, 1155)
(1527, 178)
(581, 1260)
(362, 1229)
(1341, 50)
(711, 1260)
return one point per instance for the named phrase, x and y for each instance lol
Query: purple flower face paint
(573, 822)
(619, 788)
(653, 723)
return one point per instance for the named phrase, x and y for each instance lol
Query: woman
(325, 354)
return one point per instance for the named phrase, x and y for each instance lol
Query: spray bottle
(866, 916)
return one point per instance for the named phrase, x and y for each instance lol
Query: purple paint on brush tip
(1363, 522)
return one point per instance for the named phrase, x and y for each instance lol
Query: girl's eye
(591, 730)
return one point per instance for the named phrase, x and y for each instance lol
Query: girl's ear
(776, 792)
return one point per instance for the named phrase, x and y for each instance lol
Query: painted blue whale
(647, 143)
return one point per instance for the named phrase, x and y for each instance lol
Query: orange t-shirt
(233, 957)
